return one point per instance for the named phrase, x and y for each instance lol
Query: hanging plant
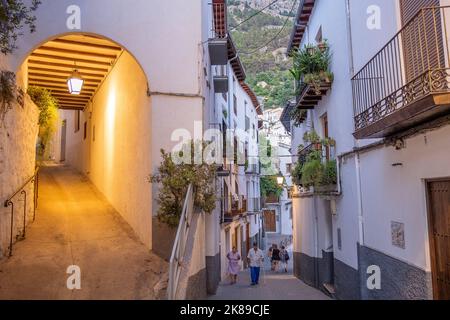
(48, 117)
(14, 15)
(315, 170)
(311, 65)
(299, 116)
(7, 92)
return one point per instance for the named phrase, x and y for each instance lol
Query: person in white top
(255, 259)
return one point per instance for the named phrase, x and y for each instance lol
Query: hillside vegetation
(265, 61)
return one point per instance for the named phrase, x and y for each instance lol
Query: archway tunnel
(94, 208)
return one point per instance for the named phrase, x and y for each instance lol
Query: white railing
(179, 246)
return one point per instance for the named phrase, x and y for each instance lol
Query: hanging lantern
(75, 83)
(280, 179)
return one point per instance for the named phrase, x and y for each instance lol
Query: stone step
(329, 288)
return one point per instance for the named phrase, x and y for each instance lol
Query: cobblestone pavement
(273, 285)
(76, 226)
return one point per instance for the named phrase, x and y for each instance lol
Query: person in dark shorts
(275, 258)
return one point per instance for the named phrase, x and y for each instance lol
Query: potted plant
(311, 65)
(315, 172)
(7, 92)
(299, 116)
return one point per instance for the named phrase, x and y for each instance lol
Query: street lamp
(75, 83)
(280, 179)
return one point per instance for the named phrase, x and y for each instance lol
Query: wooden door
(270, 222)
(439, 230)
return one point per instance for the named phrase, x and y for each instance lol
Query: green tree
(269, 186)
(14, 16)
(7, 92)
(48, 117)
(175, 180)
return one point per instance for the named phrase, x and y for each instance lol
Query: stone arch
(21, 58)
(113, 116)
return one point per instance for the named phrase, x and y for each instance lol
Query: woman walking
(275, 258)
(233, 265)
(284, 258)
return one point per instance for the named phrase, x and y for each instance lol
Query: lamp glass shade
(280, 180)
(75, 83)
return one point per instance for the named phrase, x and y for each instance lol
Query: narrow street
(75, 225)
(273, 286)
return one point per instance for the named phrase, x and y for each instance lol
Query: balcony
(218, 42)
(272, 199)
(303, 153)
(234, 207)
(310, 96)
(252, 169)
(406, 84)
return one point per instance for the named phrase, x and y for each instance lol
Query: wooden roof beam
(53, 57)
(69, 66)
(45, 71)
(78, 53)
(87, 44)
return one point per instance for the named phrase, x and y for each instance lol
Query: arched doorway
(108, 124)
(94, 203)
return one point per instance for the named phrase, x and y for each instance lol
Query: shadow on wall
(163, 238)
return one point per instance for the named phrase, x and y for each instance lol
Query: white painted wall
(331, 17)
(119, 159)
(402, 197)
(152, 38)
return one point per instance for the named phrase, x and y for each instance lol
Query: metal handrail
(179, 246)
(10, 203)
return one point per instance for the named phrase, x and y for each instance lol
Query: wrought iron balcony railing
(234, 206)
(308, 96)
(407, 82)
(303, 153)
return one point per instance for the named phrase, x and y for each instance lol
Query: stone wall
(399, 280)
(18, 136)
(346, 281)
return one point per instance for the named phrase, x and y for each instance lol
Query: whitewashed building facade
(146, 78)
(387, 109)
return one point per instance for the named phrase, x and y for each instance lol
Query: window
(319, 36)
(85, 130)
(289, 168)
(235, 104)
(77, 121)
(247, 123)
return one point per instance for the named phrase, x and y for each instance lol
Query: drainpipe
(350, 37)
(357, 156)
(359, 197)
